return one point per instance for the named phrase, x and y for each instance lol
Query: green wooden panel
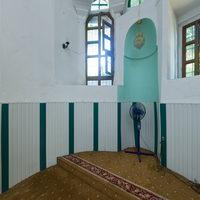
(71, 128)
(42, 136)
(96, 125)
(5, 146)
(163, 134)
(156, 128)
(119, 146)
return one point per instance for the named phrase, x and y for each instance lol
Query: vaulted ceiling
(82, 6)
(180, 6)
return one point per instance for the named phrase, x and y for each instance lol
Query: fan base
(139, 153)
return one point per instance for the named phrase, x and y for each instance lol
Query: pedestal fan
(137, 113)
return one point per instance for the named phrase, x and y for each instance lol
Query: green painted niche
(140, 66)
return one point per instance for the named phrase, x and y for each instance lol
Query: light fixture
(65, 45)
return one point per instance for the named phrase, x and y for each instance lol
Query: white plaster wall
(33, 66)
(183, 20)
(172, 90)
(69, 63)
(183, 90)
(123, 24)
(26, 44)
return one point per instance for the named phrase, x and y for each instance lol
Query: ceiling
(182, 6)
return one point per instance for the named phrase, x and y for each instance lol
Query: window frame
(196, 42)
(99, 5)
(99, 78)
(130, 2)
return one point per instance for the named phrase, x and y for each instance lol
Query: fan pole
(137, 125)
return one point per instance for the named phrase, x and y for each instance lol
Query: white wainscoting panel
(148, 128)
(83, 127)
(107, 126)
(183, 140)
(57, 131)
(23, 141)
(128, 139)
(147, 131)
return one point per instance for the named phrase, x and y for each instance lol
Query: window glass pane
(190, 68)
(93, 22)
(134, 2)
(93, 35)
(102, 51)
(92, 69)
(106, 83)
(103, 66)
(104, 7)
(109, 62)
(103, 2)
(95, 70)
(190, 52)
(99, 5)
(92, 49)
(107, 44)
(107, 31)
(190, 33)
(107, 19)
(94, 7)
(92, 83)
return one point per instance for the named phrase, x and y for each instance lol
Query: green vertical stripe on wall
(156, 128)
(5, 146)
(129, 3)
(95, 125)
(42, 136)
(71, 128)
(119, 146)
(163, 134)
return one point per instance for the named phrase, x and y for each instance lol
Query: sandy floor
(148, 174)
(57, 184)
(53, 184)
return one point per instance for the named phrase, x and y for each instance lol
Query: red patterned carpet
(133, 189)
(148, 174)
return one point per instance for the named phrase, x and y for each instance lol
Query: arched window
(132, 3)
(100, 5)
(100, 47)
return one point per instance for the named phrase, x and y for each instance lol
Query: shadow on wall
(140, 64)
